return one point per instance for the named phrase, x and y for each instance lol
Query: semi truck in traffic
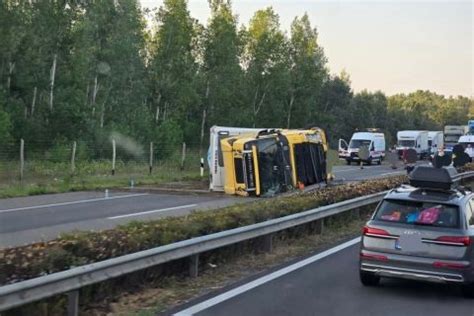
(417, 140)
(274, 161)
(452, 133)
(435, 141)
(470, 125)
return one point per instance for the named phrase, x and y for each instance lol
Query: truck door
(343, 147)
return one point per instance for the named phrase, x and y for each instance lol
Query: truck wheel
(369, 161)
(369, 279)
(348, 162)
(379, 162)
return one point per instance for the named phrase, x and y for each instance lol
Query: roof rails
(434, 178)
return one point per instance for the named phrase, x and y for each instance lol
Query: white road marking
(390, 173)
(153, 211)
(72, 202)
(355, 168)
(272, 276)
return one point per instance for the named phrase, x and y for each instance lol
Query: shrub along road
(30, 219)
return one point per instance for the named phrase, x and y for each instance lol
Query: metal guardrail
(72, 280)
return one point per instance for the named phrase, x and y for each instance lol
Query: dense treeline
(82, 70)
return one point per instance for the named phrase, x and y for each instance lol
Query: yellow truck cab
(274, 161)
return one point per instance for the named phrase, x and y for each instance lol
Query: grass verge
(169, 292)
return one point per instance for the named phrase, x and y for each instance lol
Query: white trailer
(214, 155)
(435, 141)
(467, 142)
(452, 134)
(417, 140)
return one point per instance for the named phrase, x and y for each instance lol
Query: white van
(375, 142)
(467, 142)
(214, 155)
(417, 140)
(435, 141)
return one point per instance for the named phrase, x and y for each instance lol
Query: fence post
(183, 156)
(194, 266)
(151, 157)
(73, 303)
(22, 158)
(73, 157)
(113, 156)
(202, 167)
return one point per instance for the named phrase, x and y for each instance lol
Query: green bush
(73, 249)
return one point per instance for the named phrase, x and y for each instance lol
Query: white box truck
(215, 159)
(435, 141)
(417, 140)
(452, 134)
(373, 139)
(467, 141)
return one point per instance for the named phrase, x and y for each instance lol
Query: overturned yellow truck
(274, 161)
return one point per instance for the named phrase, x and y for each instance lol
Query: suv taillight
(376, 232)
(455, 240)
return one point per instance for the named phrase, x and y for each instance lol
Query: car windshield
(406, 143)
(418, 213)
(357, 143)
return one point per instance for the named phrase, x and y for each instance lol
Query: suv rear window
(418, 213)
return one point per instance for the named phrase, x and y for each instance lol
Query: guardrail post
(356, 213)
(194, 266)
(319, 226)
(73, 303)
(267, 243)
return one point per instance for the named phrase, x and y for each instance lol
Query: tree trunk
(95, 90)
(203, 125)
(102, 114)
(157, 114)
(33, 102)
(165, 111)
(256, 108)
(87, 94)
(11, 68)
(53, 75)
(292, 100)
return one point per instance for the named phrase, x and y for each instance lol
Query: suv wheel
(468, 290)
(369, 279)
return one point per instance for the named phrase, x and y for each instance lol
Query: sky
(393, 46)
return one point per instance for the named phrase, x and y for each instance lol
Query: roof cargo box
(433, 178)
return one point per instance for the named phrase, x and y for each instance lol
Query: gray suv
(424, 231)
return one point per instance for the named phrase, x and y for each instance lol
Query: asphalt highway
(30, 219)
(328, 284)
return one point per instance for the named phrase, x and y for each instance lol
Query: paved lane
(29, 219)
(330, 286)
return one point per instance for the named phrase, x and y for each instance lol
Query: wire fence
(114, 161)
